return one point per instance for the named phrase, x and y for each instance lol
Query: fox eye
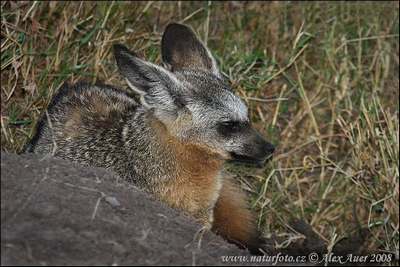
(233, 125)
(230, 127)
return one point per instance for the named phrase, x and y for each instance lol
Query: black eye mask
(228, 128)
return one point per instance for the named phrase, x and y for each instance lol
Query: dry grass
(321, 80)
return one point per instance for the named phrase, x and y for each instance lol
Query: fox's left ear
(181, 49)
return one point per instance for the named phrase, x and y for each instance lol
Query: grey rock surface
(54, 212)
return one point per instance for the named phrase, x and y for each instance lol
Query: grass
(321, 81)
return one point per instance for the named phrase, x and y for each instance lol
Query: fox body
(173, 143)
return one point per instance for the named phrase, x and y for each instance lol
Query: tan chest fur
(197, 180)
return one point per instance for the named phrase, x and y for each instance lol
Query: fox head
(191, 97)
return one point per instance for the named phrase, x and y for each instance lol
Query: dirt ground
(56, 213)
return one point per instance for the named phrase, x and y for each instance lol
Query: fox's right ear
(141, 74)
(181, 49)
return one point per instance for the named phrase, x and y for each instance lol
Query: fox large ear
(181, 49)
(158, 87)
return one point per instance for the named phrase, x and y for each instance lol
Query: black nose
(269, 148)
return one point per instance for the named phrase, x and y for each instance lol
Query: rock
(54, 212)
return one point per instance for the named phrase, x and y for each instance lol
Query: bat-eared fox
(173, 143)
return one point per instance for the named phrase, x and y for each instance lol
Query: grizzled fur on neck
(147, 140)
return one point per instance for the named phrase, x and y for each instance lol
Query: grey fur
(123, 143)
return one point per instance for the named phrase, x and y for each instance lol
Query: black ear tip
(120, 49)
(177, 27)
